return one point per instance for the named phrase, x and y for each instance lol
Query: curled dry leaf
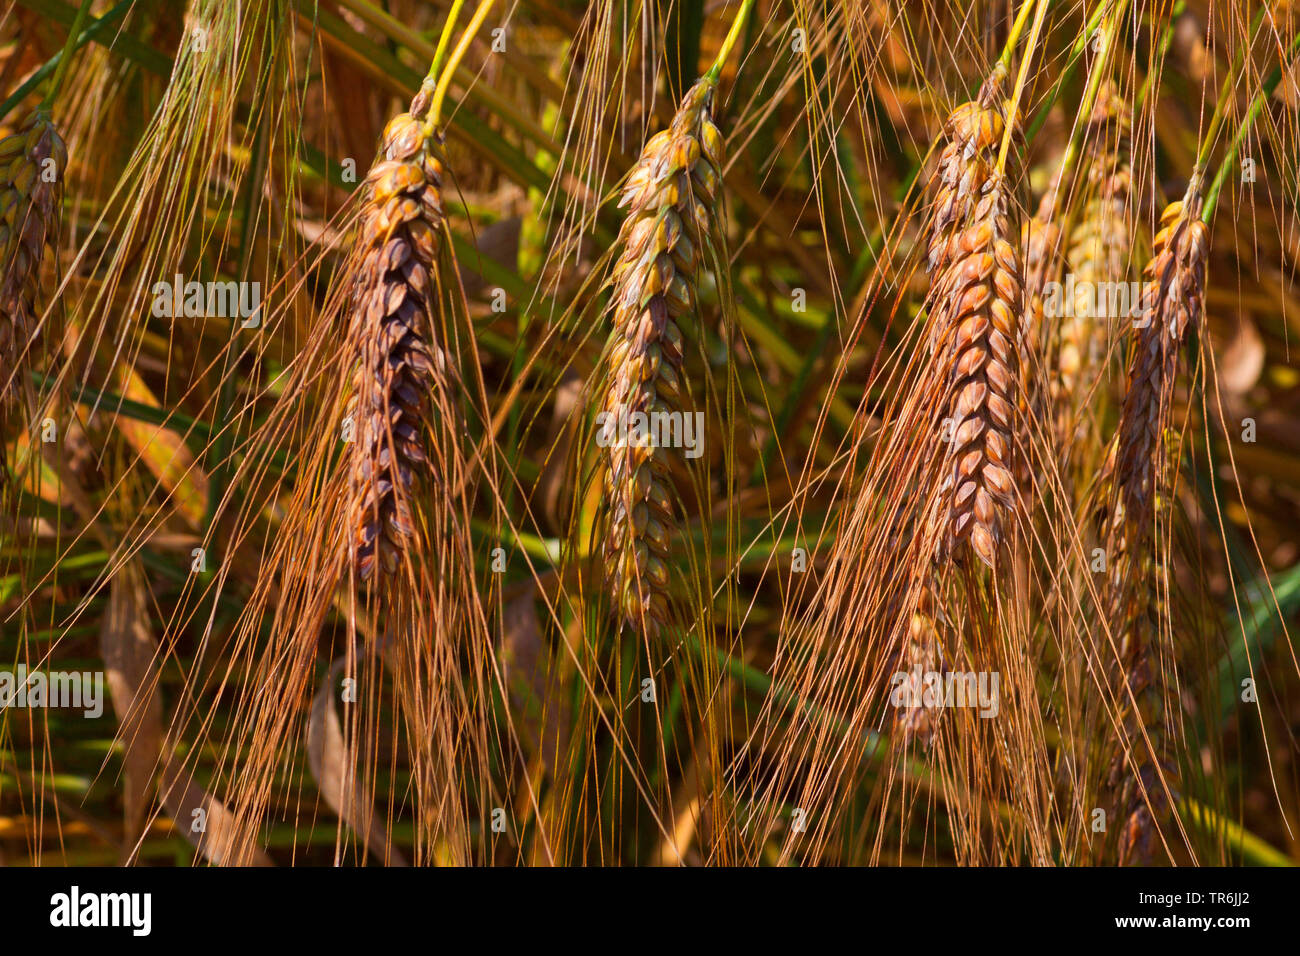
(130, 653)
(1240, 361)
(336, 776)
(204, 820)
(164, 453)
(530, 675)
(128, 648)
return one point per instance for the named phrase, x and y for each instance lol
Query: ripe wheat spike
(1098, 249)
(399, 363)
(974, 131)
(673, 201)
(981, 297)
(1171, 304)
(977, 299)
(1041, 241)
(922, 655)
(33, 159)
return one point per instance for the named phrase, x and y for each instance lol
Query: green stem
(1256, 107)
(1076, 54)
(1166, 38)
(1013, 111)
(1225, 94)
(66, 57)
(445, 40)
(732, 36)
(130, 48)
(1017, 28)
(1089, 101)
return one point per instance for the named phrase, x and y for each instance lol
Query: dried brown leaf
(529, 668)
(336, 777)
(129, 649)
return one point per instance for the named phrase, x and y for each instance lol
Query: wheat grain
(673, 200)
(399, 362)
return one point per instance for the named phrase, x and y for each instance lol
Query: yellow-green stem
(1095, 20)
(1099, 71)
(1013, 107)
(1225, 94)
(732, 36)
(444, 41)
(1017, 28)
(444, 81)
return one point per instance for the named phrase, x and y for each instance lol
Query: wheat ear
(977, 300)
(1171, 304)
(33, 159)
(1041, 242)
(922, 655)
(981, 302)
(399, 362)
(1098, 248)
(974, 131)
(673, 201)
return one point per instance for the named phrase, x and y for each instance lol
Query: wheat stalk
(673, 203)
(1171, 304)
(399, 362)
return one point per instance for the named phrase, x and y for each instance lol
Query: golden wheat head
(982, 302)
(672, 199)
(1099, 247)
(1172, 303)
(392, 330)
(33, 160)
